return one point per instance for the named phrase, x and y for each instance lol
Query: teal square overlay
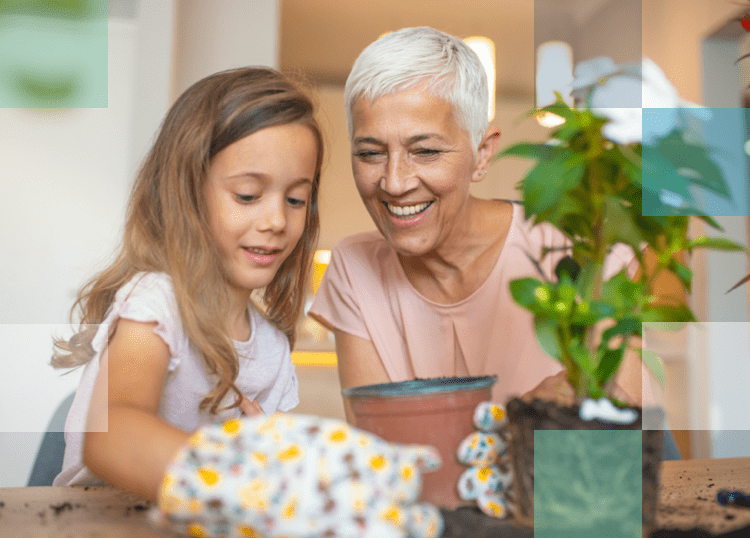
(588, 483)
(683, 180)
(53, 54)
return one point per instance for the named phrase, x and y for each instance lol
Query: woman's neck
(462, 264)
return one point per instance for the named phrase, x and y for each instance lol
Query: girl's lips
(262, 259)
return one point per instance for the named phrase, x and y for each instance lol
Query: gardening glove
(296, 476)
(487, 477)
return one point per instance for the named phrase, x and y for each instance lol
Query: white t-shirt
(266, 371)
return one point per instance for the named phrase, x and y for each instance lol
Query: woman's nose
(399, 177)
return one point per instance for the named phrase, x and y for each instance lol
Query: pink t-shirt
(366, 293)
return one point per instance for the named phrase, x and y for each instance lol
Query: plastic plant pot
(437, 412)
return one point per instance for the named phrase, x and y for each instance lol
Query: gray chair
(49, 459)
(670, 450)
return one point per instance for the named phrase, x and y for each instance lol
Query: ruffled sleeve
(147, 297)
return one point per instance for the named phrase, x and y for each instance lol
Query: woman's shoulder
(524, 232)
(361, 243)
(361, 251)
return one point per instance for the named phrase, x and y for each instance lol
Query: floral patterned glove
(483, 451)
(297, 476)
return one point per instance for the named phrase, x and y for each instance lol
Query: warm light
(549, 120)
(321, 259)
(485, 50)
(554, 73)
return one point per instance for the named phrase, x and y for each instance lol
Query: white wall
(223, 34)
(63, 184)
(65, 176)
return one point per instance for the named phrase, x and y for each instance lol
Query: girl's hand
(251, 408)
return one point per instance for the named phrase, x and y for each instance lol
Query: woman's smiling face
(413, 165)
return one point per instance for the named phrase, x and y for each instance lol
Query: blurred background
(65, 170)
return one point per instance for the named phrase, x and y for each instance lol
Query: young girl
(224, 204)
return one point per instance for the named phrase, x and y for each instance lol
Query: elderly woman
(428, 295)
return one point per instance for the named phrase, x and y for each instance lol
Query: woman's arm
(359, 364)
(127, 444)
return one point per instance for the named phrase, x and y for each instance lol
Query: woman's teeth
(407, 211)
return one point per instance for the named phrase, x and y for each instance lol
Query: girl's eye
(245, 198)
(297, 203)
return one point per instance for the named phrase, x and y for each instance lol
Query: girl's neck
(237, 319)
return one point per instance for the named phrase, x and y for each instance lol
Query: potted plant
(604, 179)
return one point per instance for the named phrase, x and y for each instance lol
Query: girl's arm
(359, 364)
(127, 444)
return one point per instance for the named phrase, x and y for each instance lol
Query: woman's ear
(485, 153)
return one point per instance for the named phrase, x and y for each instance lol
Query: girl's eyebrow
(264, 177)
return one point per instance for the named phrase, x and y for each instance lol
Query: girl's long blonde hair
(167, 228)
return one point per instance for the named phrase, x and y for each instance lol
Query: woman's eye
(245, 198)
(367, 154)
(427, 152)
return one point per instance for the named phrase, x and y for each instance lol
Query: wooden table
(687, 495)
(687, 501)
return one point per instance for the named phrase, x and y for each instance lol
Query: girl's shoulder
(151, 288)
(148, 297)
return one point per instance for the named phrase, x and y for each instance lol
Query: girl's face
(413, 165)
(258, 193)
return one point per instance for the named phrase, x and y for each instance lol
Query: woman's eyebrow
(410, 140)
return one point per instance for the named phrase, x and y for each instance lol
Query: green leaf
(684, 273)
(621, 292)
(668, 314)
(546, 183)
(722, 244)
(546, 334)
(665, 326)
(581, 357)
(620, 225)
(655, 365)
(711, 221)
(544, 152)
(693, 163)
(627, 326)
(522, 291)
(609, 363)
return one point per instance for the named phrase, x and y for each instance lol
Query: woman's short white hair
(411, 56)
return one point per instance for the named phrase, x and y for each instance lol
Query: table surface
(687, 500)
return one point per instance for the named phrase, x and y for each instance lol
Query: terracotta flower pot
(525, 418)
(437, 412)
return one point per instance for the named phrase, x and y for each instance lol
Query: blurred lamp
(485, 50)
(321, 258)
(554, 73)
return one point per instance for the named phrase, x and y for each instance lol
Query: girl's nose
(399, 177)
(274, 216)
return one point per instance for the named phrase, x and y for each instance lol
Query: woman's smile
(413, 165)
